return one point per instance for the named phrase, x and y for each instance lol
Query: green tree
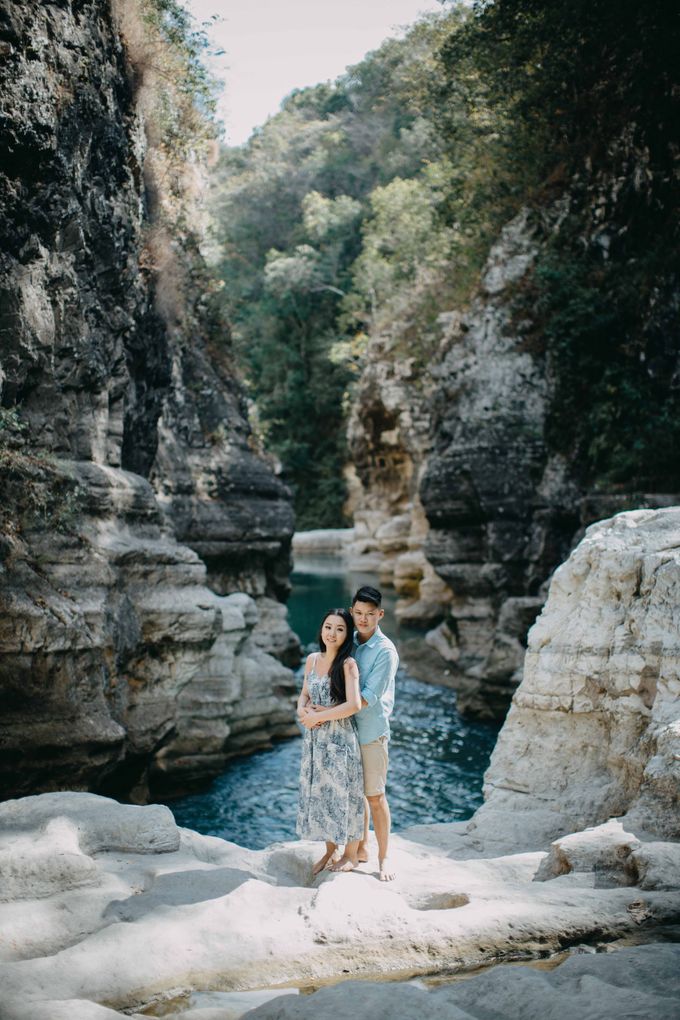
(288, 211)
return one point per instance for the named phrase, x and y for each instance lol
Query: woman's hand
(301, 709)
(309, 716)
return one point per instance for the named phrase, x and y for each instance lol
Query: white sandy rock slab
(100, 823)
(159, 923)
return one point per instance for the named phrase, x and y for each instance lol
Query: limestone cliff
(124, 435)
(389, 434)
(593, 729)
(468, 463)
(513, 480)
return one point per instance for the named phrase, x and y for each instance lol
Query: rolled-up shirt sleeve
(382, 671)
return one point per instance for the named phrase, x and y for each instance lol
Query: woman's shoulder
(350, 663)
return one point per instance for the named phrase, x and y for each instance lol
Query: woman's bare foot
(323, 861)
(345, 864)
(387, 874)
(333, 859)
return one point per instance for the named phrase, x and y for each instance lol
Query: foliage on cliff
(346, 214)
(368, 206)
(591, 93)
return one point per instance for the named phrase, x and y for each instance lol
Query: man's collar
(377, 633)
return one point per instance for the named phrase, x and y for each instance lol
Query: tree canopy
(366, 206)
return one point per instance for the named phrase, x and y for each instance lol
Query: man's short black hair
(367, 594)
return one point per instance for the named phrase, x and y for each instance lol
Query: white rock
(211, 915)
(38, 865)
(594, 728)
(604, 849)
(655, 866)
(98, 823)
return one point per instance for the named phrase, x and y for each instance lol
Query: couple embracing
(345, 705)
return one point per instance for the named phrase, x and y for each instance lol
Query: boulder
(593, 731)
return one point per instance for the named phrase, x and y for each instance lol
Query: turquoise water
(437, 758)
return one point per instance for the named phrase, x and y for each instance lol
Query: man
(377, 660)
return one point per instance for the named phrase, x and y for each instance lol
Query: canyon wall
(134, 501)
(389, 437)
(463, 468)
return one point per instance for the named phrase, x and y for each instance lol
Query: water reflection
(437, 759)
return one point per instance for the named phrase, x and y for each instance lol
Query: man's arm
(376, 682)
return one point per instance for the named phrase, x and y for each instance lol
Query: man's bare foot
(323, 861)
(387, 874)
(345, 864)
(362, 853)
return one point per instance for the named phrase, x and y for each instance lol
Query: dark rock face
(504, 508)
(222, 497)
(75, 305)
(484, 491)
(119, 666)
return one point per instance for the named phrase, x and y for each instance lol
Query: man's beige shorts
(375, 758)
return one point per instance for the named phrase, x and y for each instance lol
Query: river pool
(437, 758)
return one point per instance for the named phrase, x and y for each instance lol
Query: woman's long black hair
(337, 670)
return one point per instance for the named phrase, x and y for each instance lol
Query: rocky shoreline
(112, 906)
(112, 910)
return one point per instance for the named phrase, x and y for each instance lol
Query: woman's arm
(304, 699)
(350, 706)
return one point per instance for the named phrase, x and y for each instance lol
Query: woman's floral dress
(331, 805)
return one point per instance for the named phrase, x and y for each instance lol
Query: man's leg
(380, 813)
(375, 759)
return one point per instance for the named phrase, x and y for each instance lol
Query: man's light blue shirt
(377, 660)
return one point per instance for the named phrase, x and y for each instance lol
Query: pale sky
(274, 46)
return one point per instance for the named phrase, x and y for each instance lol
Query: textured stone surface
(594, 728)
(122, 669)
(155, 914)
(503, 509)
(117, 660)
(604, 850)
(631, 983)
(223, 499)
(389, 437)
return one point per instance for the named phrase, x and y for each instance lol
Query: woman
(331, 806)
